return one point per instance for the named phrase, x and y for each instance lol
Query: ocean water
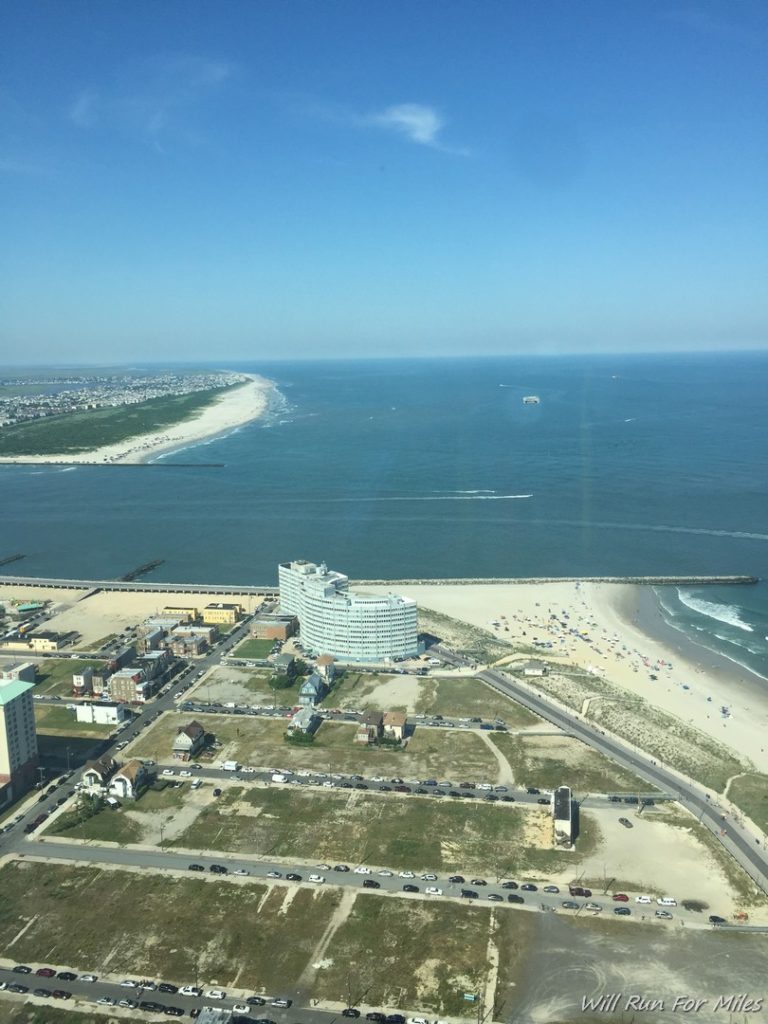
(629, 465)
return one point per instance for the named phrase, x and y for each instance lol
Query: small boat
(531, 400)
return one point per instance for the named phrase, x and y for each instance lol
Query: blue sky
(289, 179)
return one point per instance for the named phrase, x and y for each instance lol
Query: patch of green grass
(551, 761)
(57, 720)
(256, 649)
(82, 431)
(408, 954)
(14, 1012)
(460, 697)
(240, 934)
(750, 794)
(55, 674)
(107, 826)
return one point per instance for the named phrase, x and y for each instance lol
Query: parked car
(622, 911)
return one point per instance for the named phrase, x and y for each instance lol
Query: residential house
(151, 639)
(82, 682)
(370, 728)
(98, 773)
(129, 780)
(20, 671)
(305, 720)
(312, 690)
(285, 664)
(188, 741)
(187, 646)
(126, 685)
(154, 663)
(394, 725)
(326, 666)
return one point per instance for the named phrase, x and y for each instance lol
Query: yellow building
(222, 613)
(187, 614)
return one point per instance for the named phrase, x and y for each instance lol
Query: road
(749, 854)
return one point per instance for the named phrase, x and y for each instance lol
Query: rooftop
(11, 690)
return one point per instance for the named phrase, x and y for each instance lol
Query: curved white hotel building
(348, 626)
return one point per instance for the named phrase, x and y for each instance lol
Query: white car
(429, 877)
(88, 977)
(317, 878)
(190, 990)
(328, 784)
(248, 771)
(241, 871)
(274, 874)
(432, 890)
(385, 873)
(215, 993)
(241, 1008)
(596, 907)
(167, 771)
(128, 984)
(643, 899)
(185, 774)
(106, 1000)
(362, 871)
(323, 867)
(418, 1020)
(666, 901)
(483, 785)
(405, 874)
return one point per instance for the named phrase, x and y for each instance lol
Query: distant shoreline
(237, 406)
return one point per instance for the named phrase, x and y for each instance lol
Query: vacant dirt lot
(382, 831)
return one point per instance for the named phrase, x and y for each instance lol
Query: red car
(621, 897)
(60, 993)
(45, 972)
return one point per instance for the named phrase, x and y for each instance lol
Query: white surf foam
(722, 612)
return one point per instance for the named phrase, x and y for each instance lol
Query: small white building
(562, 814)
(102, 713)
(534, 668)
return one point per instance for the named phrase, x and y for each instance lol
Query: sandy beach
(616, 631)
(237, 406)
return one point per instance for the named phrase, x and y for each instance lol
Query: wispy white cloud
(154, 97)
(414, 120)
(418, 122)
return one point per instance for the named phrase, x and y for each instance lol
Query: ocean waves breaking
(729, 614)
